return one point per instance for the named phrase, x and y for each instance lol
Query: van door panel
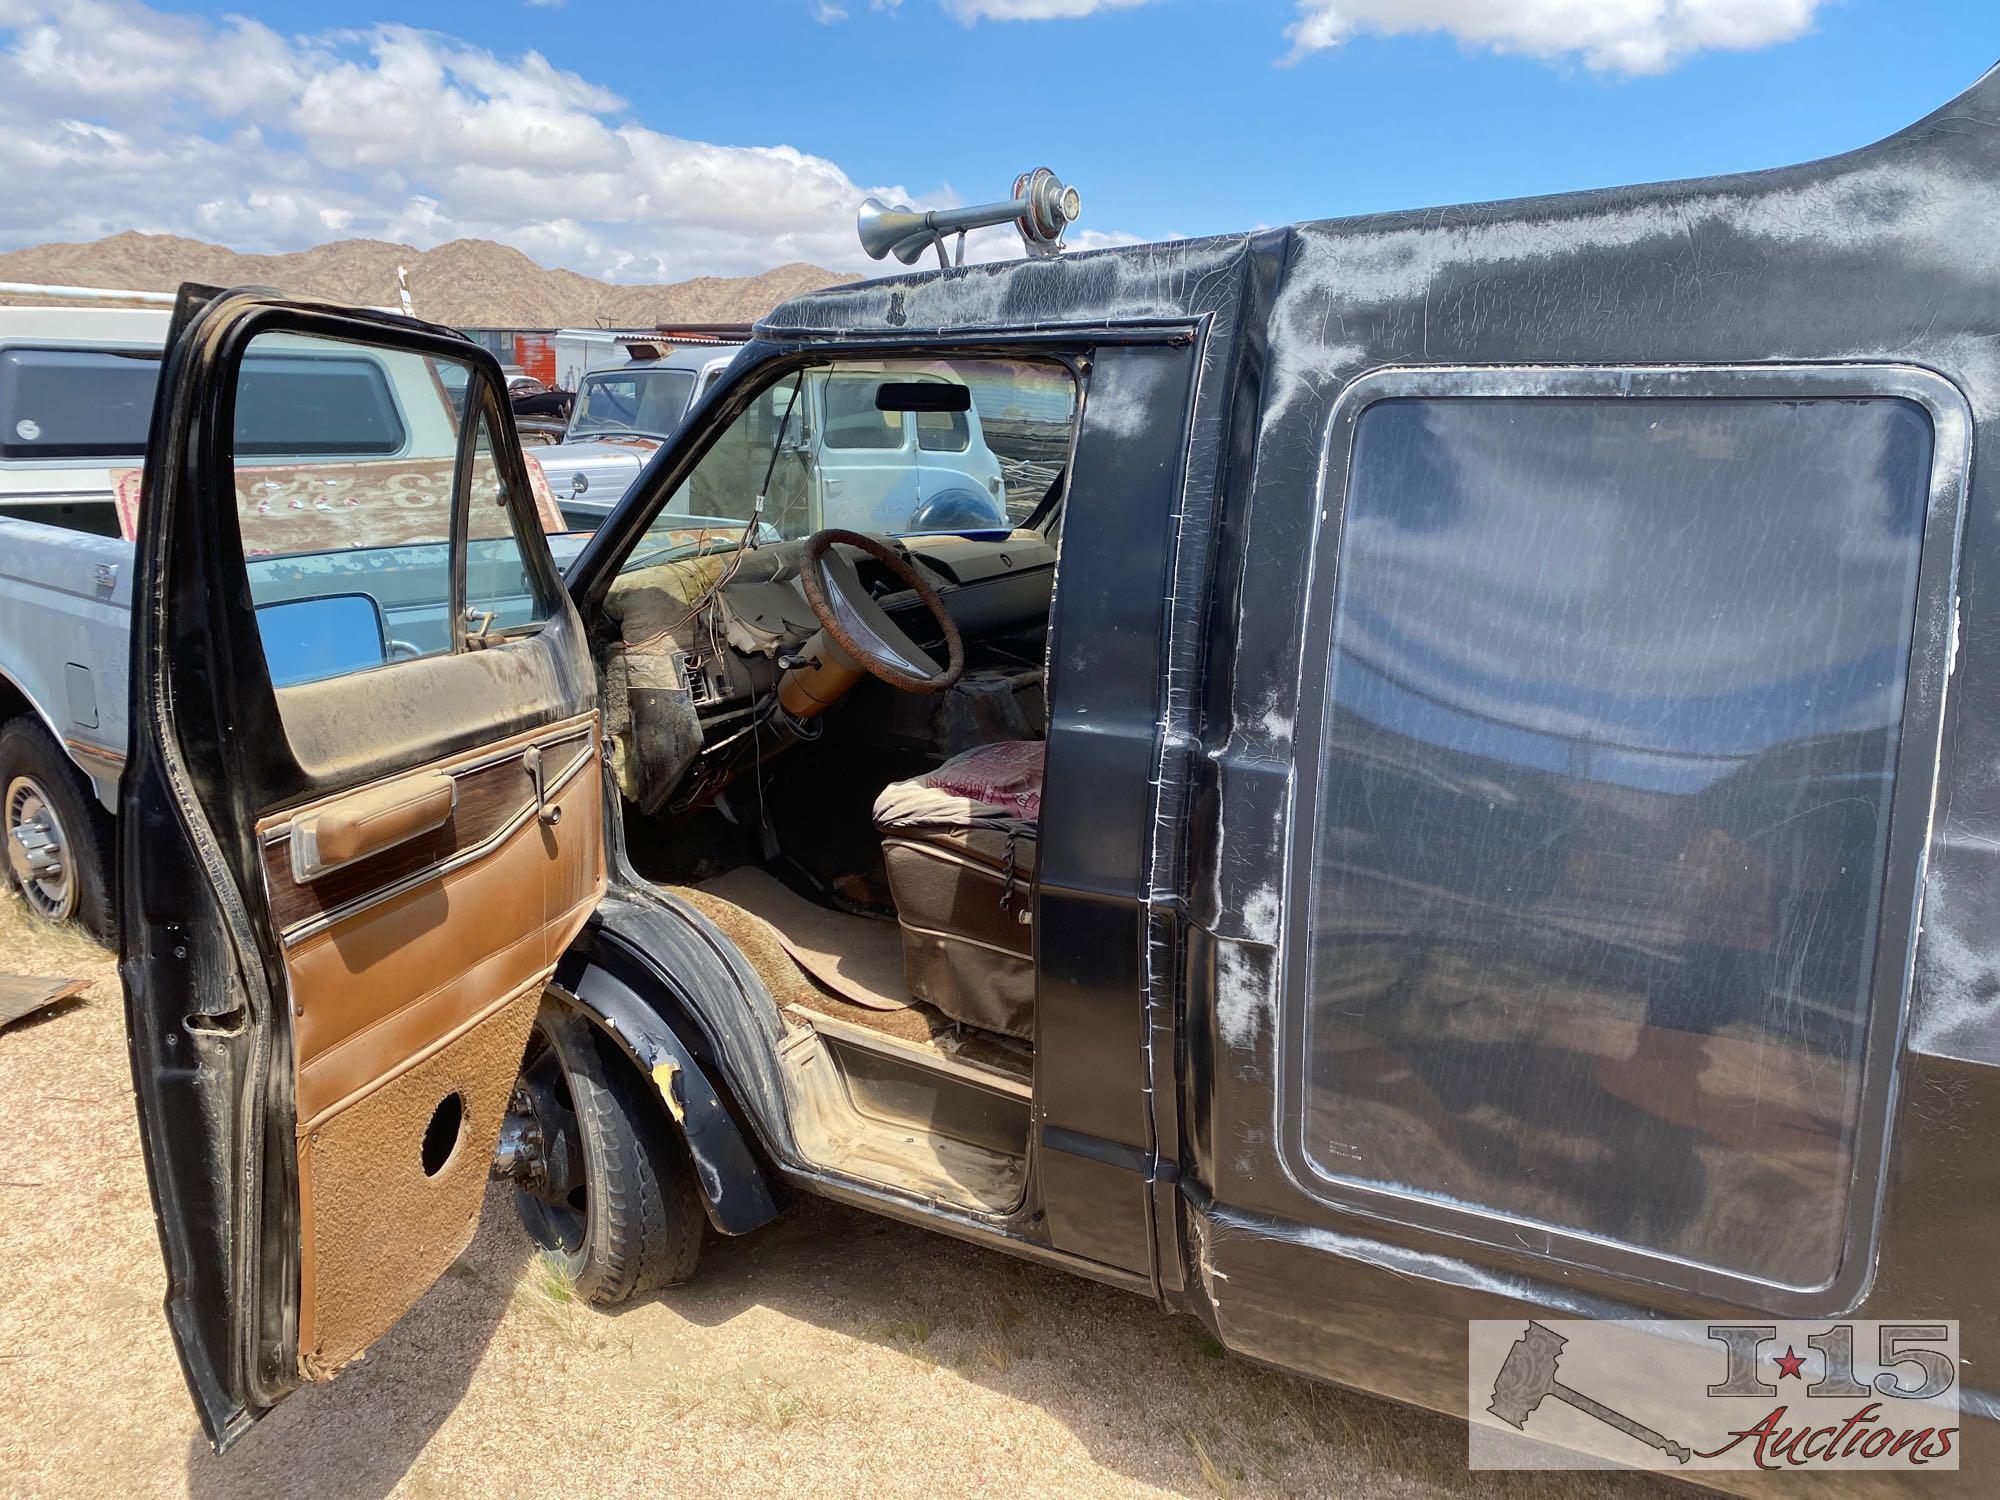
(399, 1002)
(343, 896)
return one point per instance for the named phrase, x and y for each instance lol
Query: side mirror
(307, 639)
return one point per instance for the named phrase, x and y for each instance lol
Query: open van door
(361, 823)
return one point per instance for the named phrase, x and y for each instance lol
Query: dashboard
(996, 590)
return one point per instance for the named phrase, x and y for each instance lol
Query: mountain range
(466, 283)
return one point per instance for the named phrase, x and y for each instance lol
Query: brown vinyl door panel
(415, 972)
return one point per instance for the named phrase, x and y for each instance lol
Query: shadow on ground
(358, 1436)
(828, 1326)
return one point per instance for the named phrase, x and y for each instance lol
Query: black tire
(33, 765)
(639, 1225)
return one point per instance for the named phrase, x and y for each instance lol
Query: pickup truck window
(75, 403)
(943, 431)
(337, 533)
(1608, 743)
(96, 403)
(319, 403)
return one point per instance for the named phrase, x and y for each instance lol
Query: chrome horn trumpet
(1041, 209)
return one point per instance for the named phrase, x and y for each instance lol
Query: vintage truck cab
(1466, 791)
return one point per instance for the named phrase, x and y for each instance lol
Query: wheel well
(735, 1186)
(14, 703)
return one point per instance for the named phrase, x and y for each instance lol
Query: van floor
(837, 964)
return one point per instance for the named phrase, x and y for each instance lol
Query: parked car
(619, 418)
(1476, 828)
(76, 393)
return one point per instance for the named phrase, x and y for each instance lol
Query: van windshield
(842, 448)
(651, 402)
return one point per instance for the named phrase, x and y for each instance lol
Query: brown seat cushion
(959, 844)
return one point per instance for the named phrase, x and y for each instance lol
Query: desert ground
(833, 1353)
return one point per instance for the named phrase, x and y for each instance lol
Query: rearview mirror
(922, 395)
(328, 636)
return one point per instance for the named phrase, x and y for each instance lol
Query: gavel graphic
(1528, 1374)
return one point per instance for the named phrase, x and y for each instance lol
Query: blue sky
(642, 140)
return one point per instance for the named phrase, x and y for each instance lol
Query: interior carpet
(859, 958)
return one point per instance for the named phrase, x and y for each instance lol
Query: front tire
(58, 841)
(613, 1197)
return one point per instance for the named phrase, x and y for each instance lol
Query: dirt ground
(833, 1353)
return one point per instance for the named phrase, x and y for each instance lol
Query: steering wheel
(862, 628)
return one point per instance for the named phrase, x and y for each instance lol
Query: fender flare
(735, 1191)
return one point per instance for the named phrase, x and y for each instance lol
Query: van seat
(959, 844)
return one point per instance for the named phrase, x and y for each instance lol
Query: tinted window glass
(312, 403)
(75, 403)
(1612, 719)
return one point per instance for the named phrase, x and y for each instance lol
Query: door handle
(369, 822)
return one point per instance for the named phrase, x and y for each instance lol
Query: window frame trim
(1912, 803)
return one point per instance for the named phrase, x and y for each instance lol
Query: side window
(1600, 825)
(943, 431)
(76, 403)
(852, 418)
(500, 589)
(349, 464)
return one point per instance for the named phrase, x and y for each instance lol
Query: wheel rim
(38, 850)
(553, 1193)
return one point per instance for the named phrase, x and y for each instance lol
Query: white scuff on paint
(1893, 208)
(1243, 999)
(1262, 915)
(1957, 1013)
(1274, 721)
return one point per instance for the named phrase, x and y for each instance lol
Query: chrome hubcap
(37, 851)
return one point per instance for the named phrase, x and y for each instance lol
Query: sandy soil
(833, 1353)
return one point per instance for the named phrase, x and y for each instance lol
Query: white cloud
(117, 116)
(1623, 36)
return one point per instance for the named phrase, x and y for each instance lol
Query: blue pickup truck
(76, 396)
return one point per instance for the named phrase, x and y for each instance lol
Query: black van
(1465, 789)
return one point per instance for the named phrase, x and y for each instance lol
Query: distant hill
(467, 283)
